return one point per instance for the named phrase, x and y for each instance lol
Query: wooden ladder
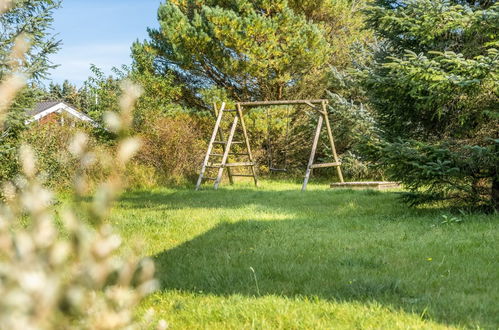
(226, 144)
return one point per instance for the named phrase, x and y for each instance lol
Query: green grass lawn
(275, 257)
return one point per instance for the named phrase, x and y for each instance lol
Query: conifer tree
(435, 89)
(251, 49)
(31, 20)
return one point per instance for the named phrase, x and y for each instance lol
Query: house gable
(48, 108)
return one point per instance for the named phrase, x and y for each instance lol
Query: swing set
(219, 161)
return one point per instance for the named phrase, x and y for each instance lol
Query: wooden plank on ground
(377, 185)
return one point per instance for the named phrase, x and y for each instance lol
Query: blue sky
(99, 32)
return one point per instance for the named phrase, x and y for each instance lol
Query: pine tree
(251, 49)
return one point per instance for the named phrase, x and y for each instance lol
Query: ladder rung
(207, 178)
(212, 166)
(232, 154)
(239, 164)
(232, 164)
(225, 142)
(325, 165)
(244, 175)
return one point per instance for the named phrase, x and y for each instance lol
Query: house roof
(42, 106)
(43, 109)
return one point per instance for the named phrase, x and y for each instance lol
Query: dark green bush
(466, 175)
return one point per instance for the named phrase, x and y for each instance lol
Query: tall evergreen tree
(33, 20)
(435, 89)
(251, 49)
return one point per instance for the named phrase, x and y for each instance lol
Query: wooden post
(226, 152)
(222, 138)
(331, 140)
(210, 147)
(246, 140)
(312, 155)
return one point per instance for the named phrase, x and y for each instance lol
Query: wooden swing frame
(320, 107)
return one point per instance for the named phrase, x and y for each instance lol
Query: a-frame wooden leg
(226, 152)
(246, 140)
(222, 138)
(312, 155)
(210, 147)
(331, 141)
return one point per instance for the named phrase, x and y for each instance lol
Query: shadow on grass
(358, 246)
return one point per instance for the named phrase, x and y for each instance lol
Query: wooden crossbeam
(282, 102)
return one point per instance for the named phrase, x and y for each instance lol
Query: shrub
(174, 147)
(444, 171)
(50, 144)
(68, 275)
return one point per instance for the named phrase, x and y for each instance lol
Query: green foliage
(70, 94)
(161, 96)
(13, 128)
(102, 93)
(438, 95)
(55, 163)
(467, 27)
(32, 19)
(62, 269)
(253, 50)
(173, 147)
(443, 170)
(436, 81)
(354, 127)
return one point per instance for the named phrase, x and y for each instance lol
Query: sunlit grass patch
(275, 257)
